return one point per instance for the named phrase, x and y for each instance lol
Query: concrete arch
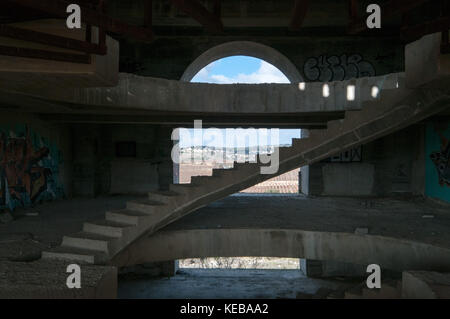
(247, 48)
(389, 253)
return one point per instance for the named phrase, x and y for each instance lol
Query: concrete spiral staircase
(393, 109)
(367, 119)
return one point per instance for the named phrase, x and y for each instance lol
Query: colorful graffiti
(28, 169)
(438, 162)
(441, 160)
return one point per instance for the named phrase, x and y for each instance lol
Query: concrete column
(165, 165)
(311, 182)
(85, 150)
(320, 269)
(304, 171)
(311, 268)
(169, 268)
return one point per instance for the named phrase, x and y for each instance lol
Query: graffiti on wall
(438, 161)
(28, 169)
(441, 160)
(335, 68)
(351, 156)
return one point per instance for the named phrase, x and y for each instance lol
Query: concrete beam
(197, 11)
(91, 16)
(208, 120)
(299, 13)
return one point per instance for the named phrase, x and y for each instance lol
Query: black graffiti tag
(334, 68)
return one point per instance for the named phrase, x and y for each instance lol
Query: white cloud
(266, 73)
(203, 75)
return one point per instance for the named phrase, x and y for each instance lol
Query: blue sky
(240, 69)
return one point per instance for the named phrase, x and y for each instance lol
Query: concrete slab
(18, 73)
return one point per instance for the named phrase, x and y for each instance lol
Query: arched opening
(243, 48)
(199, 156)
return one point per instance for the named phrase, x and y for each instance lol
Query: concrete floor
(409, 218)
(37, 229)
(414, 218)
(226, 283)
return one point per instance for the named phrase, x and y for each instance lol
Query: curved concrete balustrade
(388, 252)
(152, 94)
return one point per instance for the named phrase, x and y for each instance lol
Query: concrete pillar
(169, 268)
(311, 268)
(319, 269)
(85, 151)
(311, 182)
(304, 171)
(165, 165)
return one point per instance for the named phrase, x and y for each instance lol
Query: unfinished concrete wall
(120, 158)
(35, 160)
(325, 59)
(391, 165)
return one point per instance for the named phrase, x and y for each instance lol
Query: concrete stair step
(76, 255)
(183, 188)
(201, 180)
(106, 228)
(219, 172)
(240, 166)
(145, 206)
(125, 216)
(164, 197)
(89, 241)
(300, 142)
